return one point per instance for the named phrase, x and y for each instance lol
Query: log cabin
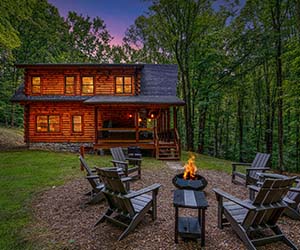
(101, 106)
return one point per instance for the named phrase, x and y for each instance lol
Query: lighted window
(123, 84)
(87, 85)
(36, 84)
(69, 84)
(47, 123)
(77, 123)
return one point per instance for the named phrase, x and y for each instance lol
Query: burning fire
(190, 168)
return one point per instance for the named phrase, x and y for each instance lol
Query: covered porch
(150, 127)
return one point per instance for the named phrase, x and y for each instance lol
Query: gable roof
(158, 85)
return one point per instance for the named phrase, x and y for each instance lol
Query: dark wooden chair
(126, 209)
(129, 165)
(251, 220)
(293, 201)
(258, 165)
(95, 194)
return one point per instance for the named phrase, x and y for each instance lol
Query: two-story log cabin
(100, 106)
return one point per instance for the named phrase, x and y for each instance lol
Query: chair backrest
(114, 191)
(268, 202)
(260, 161)
(295, 196)
(118, 154)
(94, 183)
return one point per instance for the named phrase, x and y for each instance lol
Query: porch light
(130, 115)
(140, 119)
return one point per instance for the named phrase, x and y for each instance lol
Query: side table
(190, 227)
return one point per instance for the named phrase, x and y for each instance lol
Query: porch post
(175, 117)
(96, 124)
(136, 118)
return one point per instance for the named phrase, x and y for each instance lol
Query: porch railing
(126, 134)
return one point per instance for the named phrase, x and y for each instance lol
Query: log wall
(65, 111)
(53, 80)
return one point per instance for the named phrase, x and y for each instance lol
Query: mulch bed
(62, 221)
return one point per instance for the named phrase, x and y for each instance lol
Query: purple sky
(118, 15)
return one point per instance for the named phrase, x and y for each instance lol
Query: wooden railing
(126, 134)
(177, 141)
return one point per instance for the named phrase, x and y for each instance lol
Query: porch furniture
(258, 165)
(126, 209)
(96, 194)
(190, 227)
(251, 220)
(292, 199)
(120, 161)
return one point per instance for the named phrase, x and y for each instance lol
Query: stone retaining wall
(59, 146)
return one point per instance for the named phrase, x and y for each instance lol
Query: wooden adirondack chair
(120, 161)
(129, 207)
(95, 182)
(252, 219)
(293, 201)
(257, 166)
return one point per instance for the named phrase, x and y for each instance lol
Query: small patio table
(190, 227)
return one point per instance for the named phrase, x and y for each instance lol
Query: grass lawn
(25, 173)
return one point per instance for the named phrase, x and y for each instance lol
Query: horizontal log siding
(65, 111)
(53, 80)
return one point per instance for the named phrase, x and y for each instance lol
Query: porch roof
(141, 99)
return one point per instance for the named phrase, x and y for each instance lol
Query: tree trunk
(240, 118)
(201, 127)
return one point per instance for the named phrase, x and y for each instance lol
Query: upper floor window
(87, 85)
(69, 84)
(123, 84)
(47, 123)
(77, 123)
(36, 84)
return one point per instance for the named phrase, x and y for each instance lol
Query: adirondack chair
(120, 161)
(96, 194)
(293, 201)
(129, 207)
(252, 219)
(257, 166)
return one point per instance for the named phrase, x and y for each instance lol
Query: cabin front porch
(150, 128)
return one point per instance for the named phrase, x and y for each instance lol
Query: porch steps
(167, 152)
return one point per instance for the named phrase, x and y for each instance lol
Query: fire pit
(189, 179)
(198, 184)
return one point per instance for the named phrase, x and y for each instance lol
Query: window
(36, 84)
(47, 123)
(123, 84)
(69, 84)
(77, 123)
(87, 85)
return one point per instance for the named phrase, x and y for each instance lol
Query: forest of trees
(239, 66)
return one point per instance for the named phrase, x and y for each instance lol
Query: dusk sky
(118, 15)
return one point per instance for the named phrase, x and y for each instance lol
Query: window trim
(48, 124)
(123, 85)
(40, 84)
(70, 84)
(93, 77)
(72, 124)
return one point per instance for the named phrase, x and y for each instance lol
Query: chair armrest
(240, 164)
(126, 179)
(254, 188)
(134, 159)
(92, 177)
(119, 162)
(148, 189)
(297, 190)
(254, 169)
(220, 193)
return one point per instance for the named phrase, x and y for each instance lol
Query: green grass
(23, 174)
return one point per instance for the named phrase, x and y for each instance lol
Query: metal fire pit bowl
(198, 184)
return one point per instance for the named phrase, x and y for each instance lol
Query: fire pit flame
(189, 179)
(190, 169)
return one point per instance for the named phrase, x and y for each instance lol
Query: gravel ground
(62, 221)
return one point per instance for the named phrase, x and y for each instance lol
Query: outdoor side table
(190, 227)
